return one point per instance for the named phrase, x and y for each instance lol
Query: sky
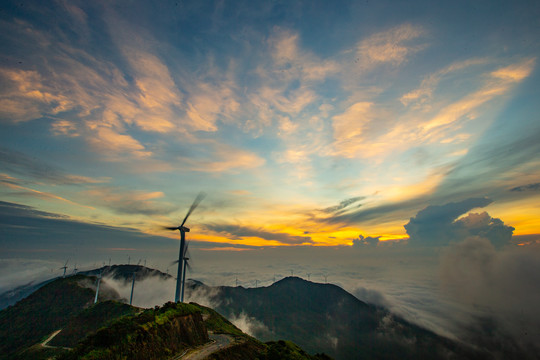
(322, 133)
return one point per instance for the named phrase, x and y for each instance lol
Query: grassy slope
(90, 320)
(34, 318)
(154, 334)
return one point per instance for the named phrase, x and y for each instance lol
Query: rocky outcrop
(154, 334)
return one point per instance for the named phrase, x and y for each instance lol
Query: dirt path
(44, 344)
(219, 341)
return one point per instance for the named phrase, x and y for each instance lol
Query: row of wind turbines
(183, 259)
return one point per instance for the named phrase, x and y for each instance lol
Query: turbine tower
(97, 287)
(132, 286)
(181, 254)
(64, 267)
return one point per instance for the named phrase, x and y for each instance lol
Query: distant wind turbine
(64, 267)
(75, 269)
(179, 281)
(308, 276)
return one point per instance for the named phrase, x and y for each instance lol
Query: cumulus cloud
(366, 241)
(438, 225)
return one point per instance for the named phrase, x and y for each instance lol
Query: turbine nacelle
(181, 228)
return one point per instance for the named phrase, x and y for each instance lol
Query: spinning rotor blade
(196, 203)
(186, 250)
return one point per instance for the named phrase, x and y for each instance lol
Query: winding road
(219, 341)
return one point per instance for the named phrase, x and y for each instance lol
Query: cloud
(342, 205)
(130, 202)
(291, 62)
(424, 93)
(439, 225)
(371, 296)
(23, 271)
(250, 325)
(237, 232)
(528, 187)
(225, 158)
(392, 46)
(25, 231)
(498, 84)
(503, 288)
(19, 190)
(37, 169)
(349, 128)
(365, 241)
(26, 95)
(148, 292)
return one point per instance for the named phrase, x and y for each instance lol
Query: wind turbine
(186, 265)
(64, 267)
(132, 286)
(97, 287)
(179, 281)
(75, 269)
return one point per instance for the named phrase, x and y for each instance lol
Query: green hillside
(155, 333)
(50, 308)
(90, 320)
(115, 330)
(326, 318)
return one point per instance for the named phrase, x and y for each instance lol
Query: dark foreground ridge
(61, 321)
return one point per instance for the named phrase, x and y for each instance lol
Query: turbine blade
(174, 262)
(196, 203)
(170, 228)
(186, 249)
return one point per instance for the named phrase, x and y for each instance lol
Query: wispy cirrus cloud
(392, 46)
(238, 232)
(422, 95)
(528, 187)
(19, 188)
(498, 84)
(15, 162)
(130, 202)
(366, 130)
